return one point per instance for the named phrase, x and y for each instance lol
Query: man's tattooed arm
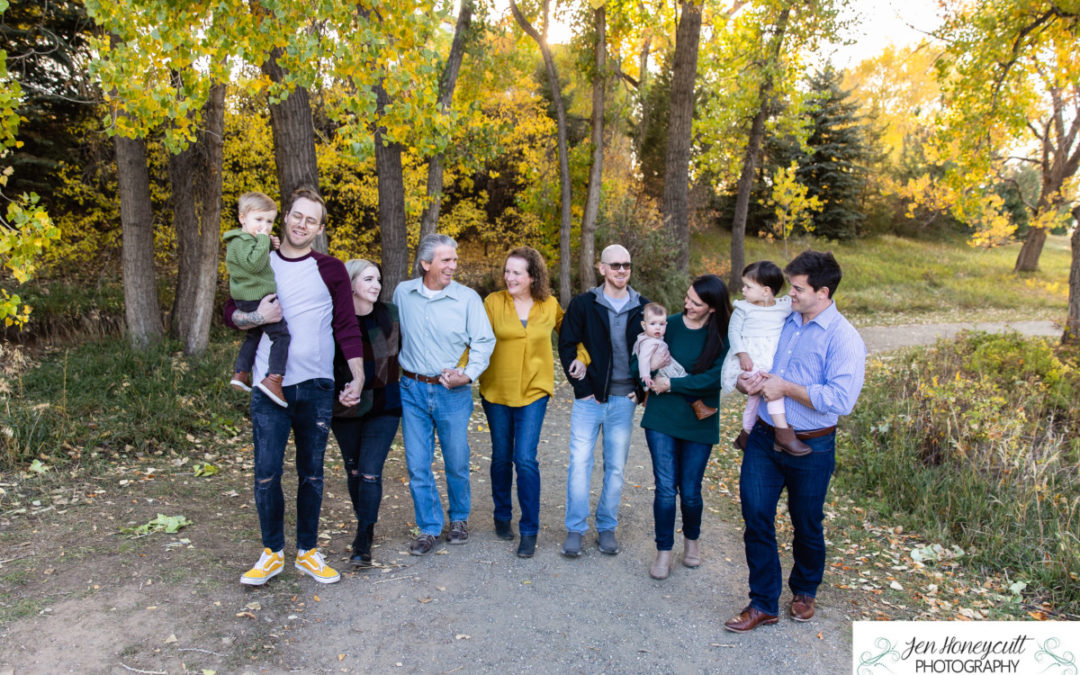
(246, 320)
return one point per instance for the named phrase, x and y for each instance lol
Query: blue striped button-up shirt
(435, 332)
(828, 357)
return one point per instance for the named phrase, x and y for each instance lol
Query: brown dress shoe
(802, 607)
(740, 441)
(749, 619)
(271, 386)
(784, 439)
(701, 410)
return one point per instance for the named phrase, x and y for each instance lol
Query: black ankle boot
(361, 546)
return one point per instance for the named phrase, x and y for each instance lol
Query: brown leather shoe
(742, 439)
(802, 607)
(784, 439)
(701, 410)
(241, 380)
(271, 386)
(749, 619)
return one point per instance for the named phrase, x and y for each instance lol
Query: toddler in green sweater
(251, 278)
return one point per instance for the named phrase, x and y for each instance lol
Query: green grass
(103, 399)
(890, 280)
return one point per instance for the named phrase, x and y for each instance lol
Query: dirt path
(75, 594)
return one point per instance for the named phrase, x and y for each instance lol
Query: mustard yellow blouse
(521, 370)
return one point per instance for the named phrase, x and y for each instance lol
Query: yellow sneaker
(270, 565)
(311, 563)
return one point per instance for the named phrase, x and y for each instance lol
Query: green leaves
(163, 523)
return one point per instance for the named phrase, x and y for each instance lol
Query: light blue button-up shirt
(436, 331)
(828, 357)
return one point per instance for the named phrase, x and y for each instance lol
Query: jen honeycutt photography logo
(956, 647)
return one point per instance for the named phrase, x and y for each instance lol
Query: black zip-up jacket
(586, 322)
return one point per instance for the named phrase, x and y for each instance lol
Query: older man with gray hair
(440, 319)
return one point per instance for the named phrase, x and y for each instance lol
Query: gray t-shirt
(622, 380)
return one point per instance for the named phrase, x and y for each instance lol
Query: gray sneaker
(571, 548)
(422, 545)
(606, 541)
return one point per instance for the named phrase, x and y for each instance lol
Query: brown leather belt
(802, 435)
(420, 378)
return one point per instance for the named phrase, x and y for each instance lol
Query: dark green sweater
(670, 413)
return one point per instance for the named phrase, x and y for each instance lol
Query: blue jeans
(311, 404)
(587, 418)
(365, 443)
(515, 433)
(765, 473)
(678, 467)
(425, 410)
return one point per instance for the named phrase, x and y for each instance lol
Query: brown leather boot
(271, 386)
(661, 567)
(784, 439)
(741, 439)
(701, 410)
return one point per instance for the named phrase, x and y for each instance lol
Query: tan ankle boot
(785, 440)
(271, 386)
(691, 554)
(701, 410)
(661, 567)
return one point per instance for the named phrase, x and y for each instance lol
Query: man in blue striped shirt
(818, 370)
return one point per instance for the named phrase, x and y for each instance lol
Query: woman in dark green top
(679, 442)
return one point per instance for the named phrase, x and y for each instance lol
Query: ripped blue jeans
(311, 405)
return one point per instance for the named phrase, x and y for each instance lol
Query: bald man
(607, 320)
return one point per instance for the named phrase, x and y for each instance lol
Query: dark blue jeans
(678, 467)
(279, 344)
(311, 404)
(365, 443)
(765, 473)
(515, 433)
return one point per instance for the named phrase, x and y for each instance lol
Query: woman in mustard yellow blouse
(516, 386)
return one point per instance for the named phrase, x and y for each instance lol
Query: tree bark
(195, 178)
(1072, 320)
(564, 160)
(294, 140)
(141, 310)
(750, 157)
(392, 229)
(596, 170)
(1028, 258)
(430, 219)
(675, 201)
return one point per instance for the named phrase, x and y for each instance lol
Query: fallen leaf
(171, 639)
(424, 600)
(316, 598)
(462, 636)
(820, 636)
(245, 614)
(253, 606)
(340, 657)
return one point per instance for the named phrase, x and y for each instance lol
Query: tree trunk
(430, 219)
(141, 309)
(1072, 320)
(1028, 258)
(195, 179)
(294, 140)
(742, 192)
(753, 148)
(564, 160)
(675, 202)
(596, 171)
(392, 229)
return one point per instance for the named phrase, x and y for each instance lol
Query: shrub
(976, 440)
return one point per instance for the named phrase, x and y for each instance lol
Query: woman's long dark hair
(712, 291)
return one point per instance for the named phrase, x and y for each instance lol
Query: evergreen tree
(834, 166)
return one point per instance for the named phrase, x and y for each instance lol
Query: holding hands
(453, 377)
